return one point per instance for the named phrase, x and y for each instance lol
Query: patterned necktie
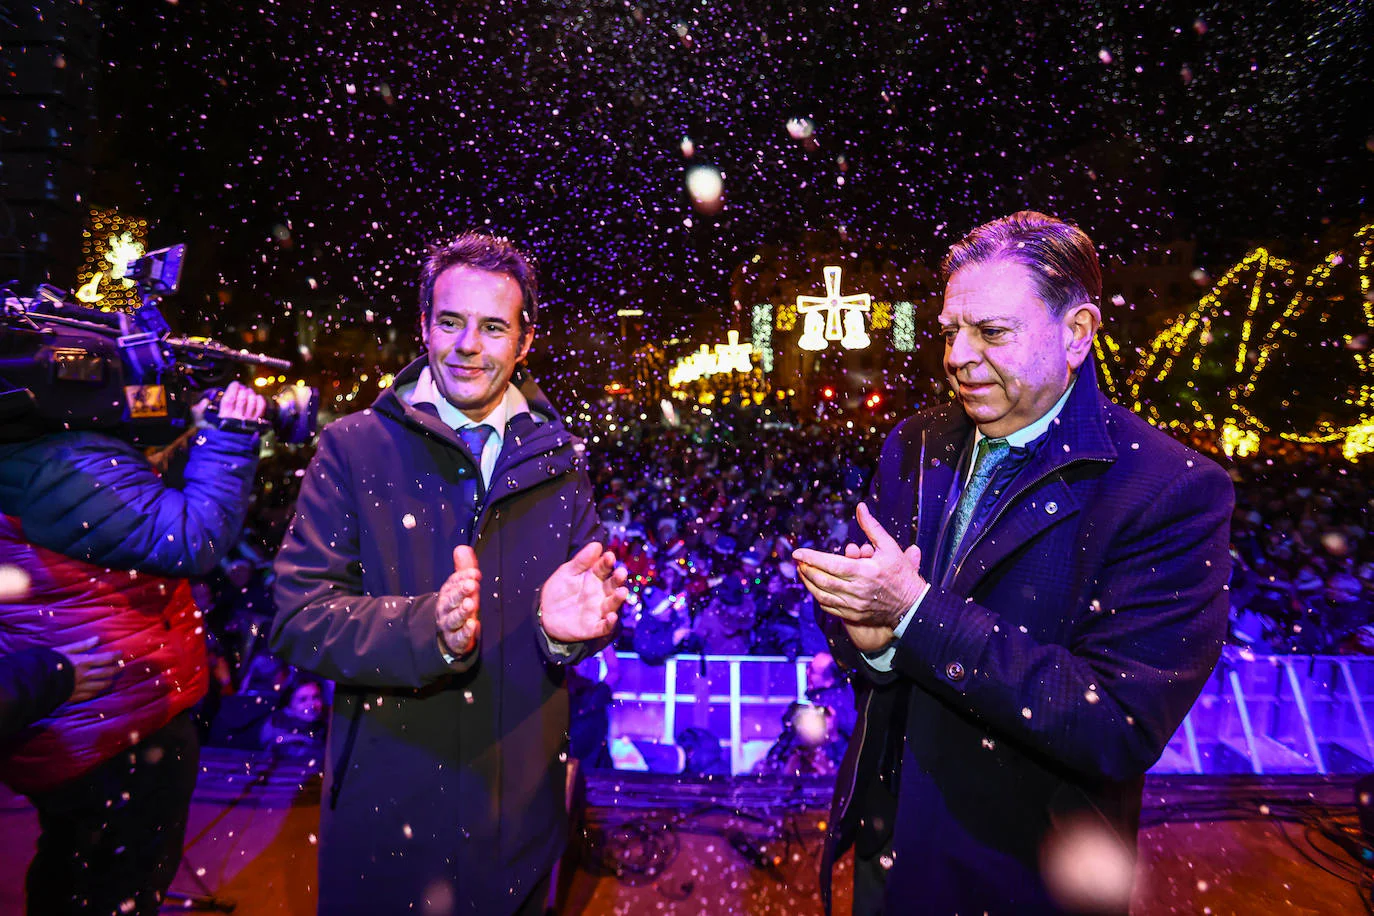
(475, 438)
(989, 454)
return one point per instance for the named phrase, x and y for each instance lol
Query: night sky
(309, 151)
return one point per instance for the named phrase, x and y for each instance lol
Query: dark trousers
(537, 903)
(111, 839)
(870, 883)
(873, 843)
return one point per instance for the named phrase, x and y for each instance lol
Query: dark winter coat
(1049, 670)
(108, 548)
(444, 791)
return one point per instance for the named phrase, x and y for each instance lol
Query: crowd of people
(705, 514)
(705, 517)
(1303, 575)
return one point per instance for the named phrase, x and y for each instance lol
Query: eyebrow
(991, 319)
(450, 313)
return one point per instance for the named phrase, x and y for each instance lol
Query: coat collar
(1035, 500)
(540, 430)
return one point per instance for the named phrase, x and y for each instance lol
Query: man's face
(1007, 357)
(474, 339)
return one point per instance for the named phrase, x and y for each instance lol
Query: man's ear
(526, 338)
(424, 331)
(1080, 326)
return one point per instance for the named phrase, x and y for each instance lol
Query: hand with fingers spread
(95, 671)
(459, 602)
(869, 588)
(582, 599)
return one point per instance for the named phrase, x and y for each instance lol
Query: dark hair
(482, 252)
(1059, 255)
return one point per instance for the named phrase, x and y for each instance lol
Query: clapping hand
(582, 599)
(459, 602)
(869, 588)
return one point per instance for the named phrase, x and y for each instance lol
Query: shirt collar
(1028, 434)
(513, 404)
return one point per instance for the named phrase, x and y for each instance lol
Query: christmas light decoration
(816, 331)
(1108, 355)
(733, 356)
(904, 327)
(706, 362)
(1359, 440)
(762, 334)
(1237, 442)
(696, 365)
(882, 315)
(786, 316)
(1266, 325)
(110, 242)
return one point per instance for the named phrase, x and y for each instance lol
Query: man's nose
(468, 340)
(961, 351)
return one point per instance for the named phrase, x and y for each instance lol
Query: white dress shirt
(514, 403)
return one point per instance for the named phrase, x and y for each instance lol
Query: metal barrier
(1257, 714)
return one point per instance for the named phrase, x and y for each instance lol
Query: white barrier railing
(1257, 714)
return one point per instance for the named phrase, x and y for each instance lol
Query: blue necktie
(475, 438)
(989, 454)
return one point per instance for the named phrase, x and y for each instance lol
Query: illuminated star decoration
(853, 336)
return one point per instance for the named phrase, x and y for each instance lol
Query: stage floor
(1210, 845)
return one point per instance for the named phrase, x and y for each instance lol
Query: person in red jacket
(108, 548)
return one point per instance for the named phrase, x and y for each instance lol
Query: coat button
(954, 671)
(510, 482)
(1051, 507)
(551, 470)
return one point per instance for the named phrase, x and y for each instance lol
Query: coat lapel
(1038, 498)
(941, 445)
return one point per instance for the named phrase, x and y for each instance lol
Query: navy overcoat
(1050, 668)
(444, 790)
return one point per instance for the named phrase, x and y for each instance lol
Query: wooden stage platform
(664, 845)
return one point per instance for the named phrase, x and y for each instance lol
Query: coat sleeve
(1106, 704)
(97, 499)
(324, 621)
(33, 682)
(586, 528)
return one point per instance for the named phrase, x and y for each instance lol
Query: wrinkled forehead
(998, 289)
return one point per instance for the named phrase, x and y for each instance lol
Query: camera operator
(108, 547)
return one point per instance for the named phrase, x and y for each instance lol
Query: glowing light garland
(904, 327)
(1242, 443)
(1240, 429)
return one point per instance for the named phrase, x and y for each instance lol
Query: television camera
(65, 365)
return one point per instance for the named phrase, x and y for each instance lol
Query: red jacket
(108, 547)
(150, 619)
